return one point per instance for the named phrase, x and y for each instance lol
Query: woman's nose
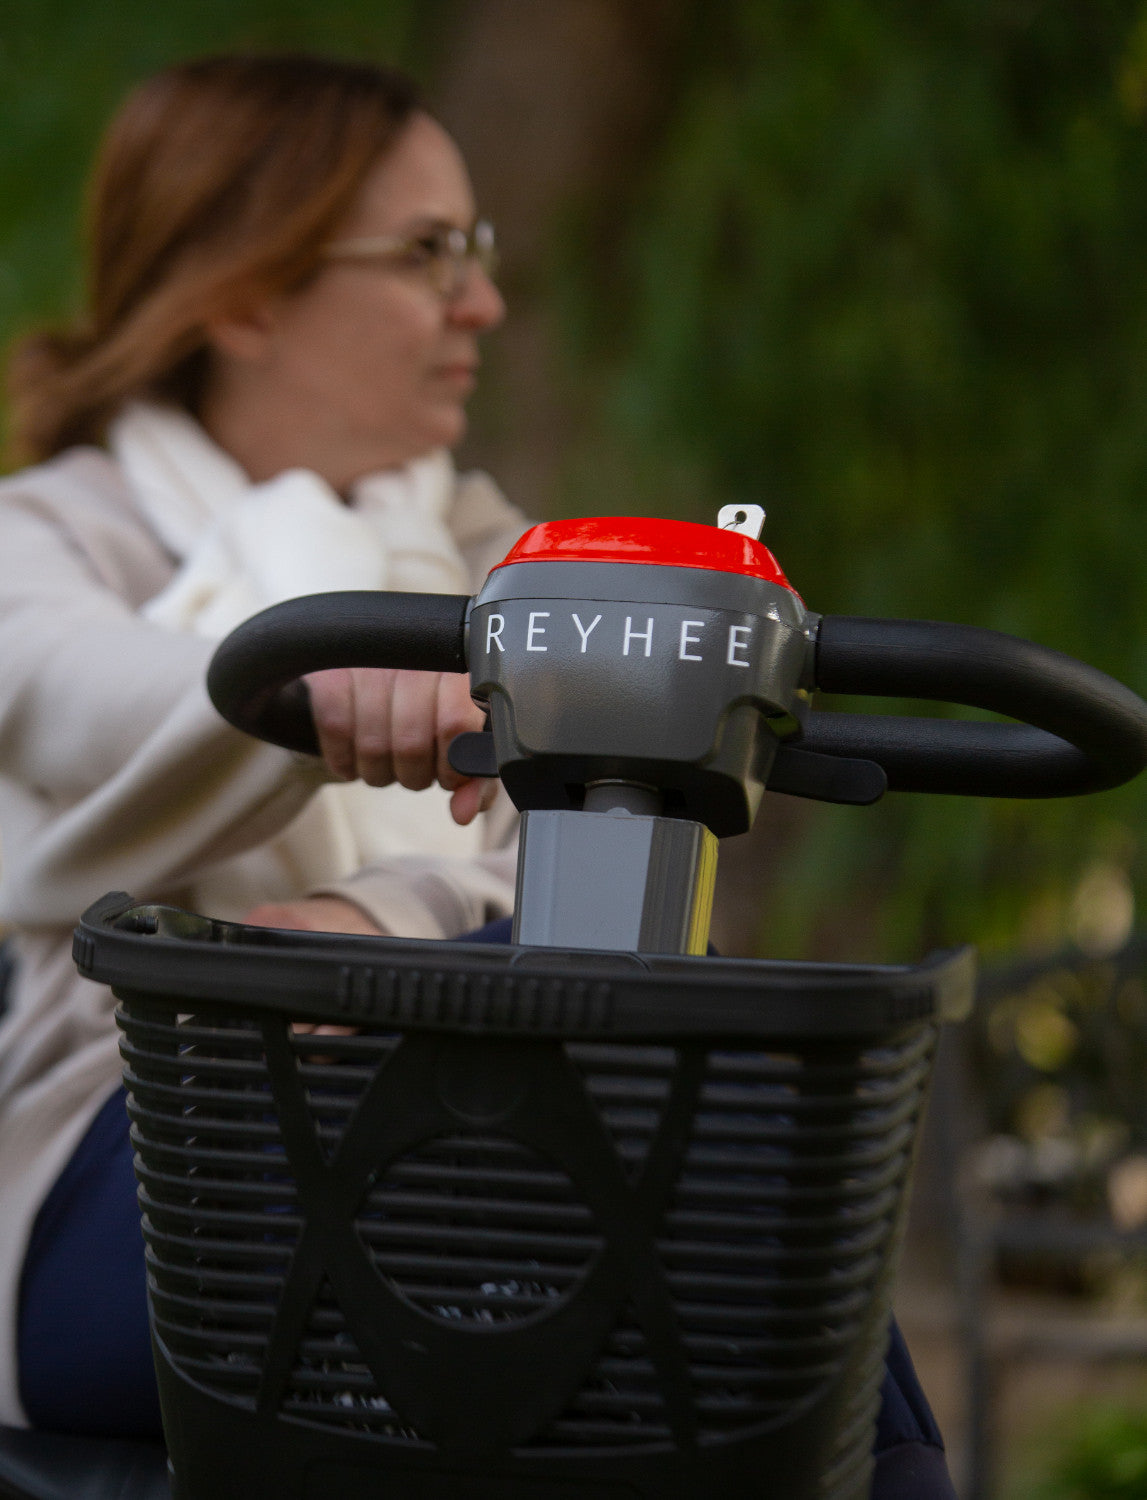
(478, 304)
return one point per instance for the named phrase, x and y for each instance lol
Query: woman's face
(369, 365)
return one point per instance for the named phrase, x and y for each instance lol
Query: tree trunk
(556, 105)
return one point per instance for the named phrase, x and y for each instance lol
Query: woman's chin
(445, 430)
(448, 428)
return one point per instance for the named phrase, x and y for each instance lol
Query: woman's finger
(374, 689)
(333, 711)
(472, 797)
(413, 726)
(466, 801)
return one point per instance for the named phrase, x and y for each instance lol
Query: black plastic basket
(540, 1226)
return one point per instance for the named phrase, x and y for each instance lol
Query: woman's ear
(243, 333)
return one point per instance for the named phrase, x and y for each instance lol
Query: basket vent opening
(477, 1229)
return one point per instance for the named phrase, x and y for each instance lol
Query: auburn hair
(218, 179)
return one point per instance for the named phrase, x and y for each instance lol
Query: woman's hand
(313, 914)
(384, 726)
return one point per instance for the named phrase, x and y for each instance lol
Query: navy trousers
(85, 1353)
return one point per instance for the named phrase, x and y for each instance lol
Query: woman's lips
(461, 374)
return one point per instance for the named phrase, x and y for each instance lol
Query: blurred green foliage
(1099, 1453)
(886, 274)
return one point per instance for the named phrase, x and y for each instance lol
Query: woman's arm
(428, 896)
(115, 770)
(125, 775)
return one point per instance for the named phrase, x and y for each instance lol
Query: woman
(288, 287)
(287, 293)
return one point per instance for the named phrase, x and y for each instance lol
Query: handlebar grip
(253, 679)
(1081, 731)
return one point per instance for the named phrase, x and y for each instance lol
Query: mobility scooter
(592, 1212)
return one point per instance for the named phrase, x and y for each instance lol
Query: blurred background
(878, 266)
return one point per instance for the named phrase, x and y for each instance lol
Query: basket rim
(154, 952)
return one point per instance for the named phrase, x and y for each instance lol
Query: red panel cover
(646, 539)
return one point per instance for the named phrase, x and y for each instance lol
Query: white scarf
(243, 546)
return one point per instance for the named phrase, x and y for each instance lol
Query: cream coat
(117, 774)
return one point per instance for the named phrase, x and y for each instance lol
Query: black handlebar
(253, 679)
(1083, 731)
(1080, 730)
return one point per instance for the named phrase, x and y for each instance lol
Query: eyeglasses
(443, 254)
